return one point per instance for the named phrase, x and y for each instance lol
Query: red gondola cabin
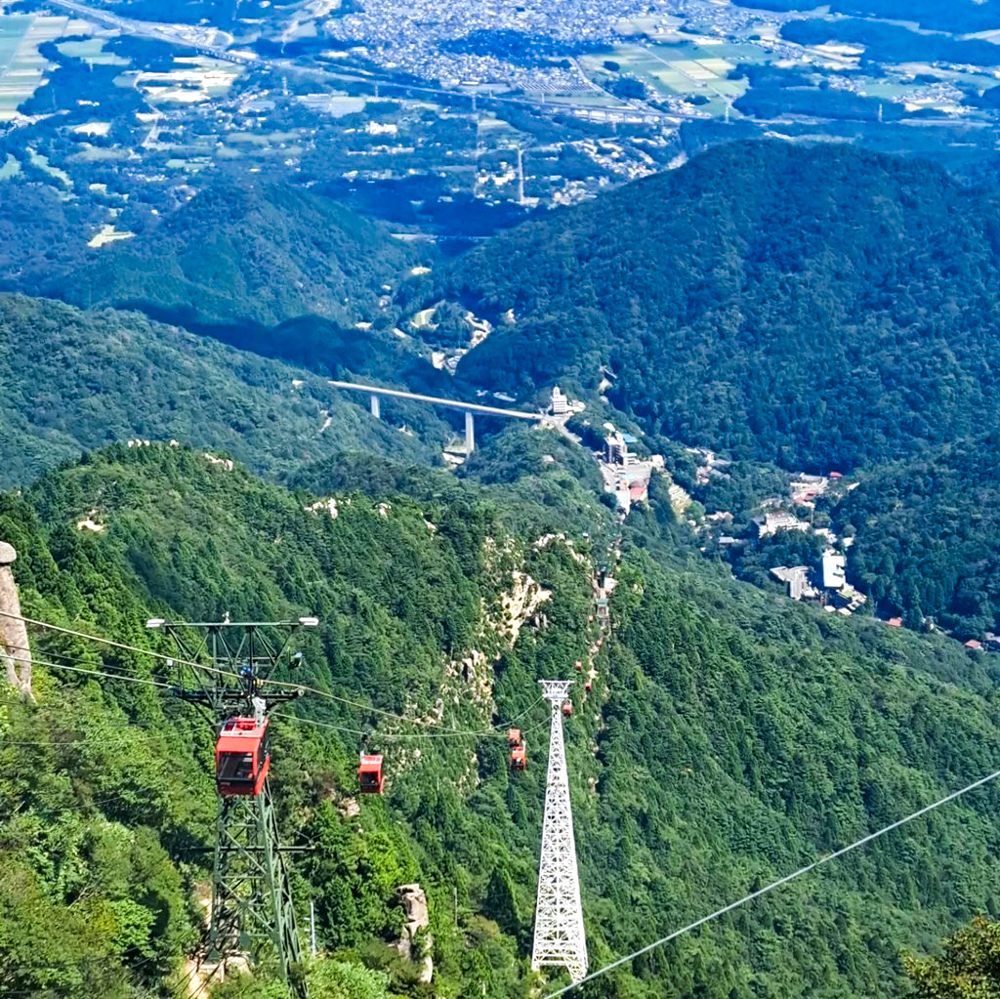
(567, 709)
(370, 777)
(518, 756)
(242, 759)
(588, 686)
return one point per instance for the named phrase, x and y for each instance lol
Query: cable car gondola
(567, 709)
(518, 753)
(370, 777)
(242, 758)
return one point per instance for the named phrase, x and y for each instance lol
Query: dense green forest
(818, 307)
(958, 16)
(890, 43)
(75, 380)
(928, 536)
(260, 253)
(728, 739)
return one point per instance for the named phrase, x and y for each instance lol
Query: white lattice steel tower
(559, 935)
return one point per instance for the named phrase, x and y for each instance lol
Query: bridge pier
(470, 434)
(376, 407)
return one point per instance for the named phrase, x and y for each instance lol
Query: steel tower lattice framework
(560, 940)
(252, 905)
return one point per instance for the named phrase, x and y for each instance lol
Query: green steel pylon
(251, 894)
(252, 908)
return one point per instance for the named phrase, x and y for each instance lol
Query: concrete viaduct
(469, 408)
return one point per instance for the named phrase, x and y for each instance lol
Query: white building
(775, 521)
(560, 402)
(833, 571)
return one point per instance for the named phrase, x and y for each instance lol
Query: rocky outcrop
(14, 649)
(415, 945)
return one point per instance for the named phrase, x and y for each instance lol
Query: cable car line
(186, 662)
(80, 659)
(370, 709)
(92, 672)
(777, 884)
(399, 736)
(117, 645)
(444, 733)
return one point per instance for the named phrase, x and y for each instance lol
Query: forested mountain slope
(75, 380)
(818, 307)
(928, 536)
(729, 738)
(260, 253)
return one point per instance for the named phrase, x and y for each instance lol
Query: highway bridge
(469, 408)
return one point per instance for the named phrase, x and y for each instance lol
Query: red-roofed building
(895, 622)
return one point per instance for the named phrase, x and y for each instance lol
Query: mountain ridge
(782, 303)
(77, 380)
(260, 253)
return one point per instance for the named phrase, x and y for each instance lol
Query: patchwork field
(196, 79)
(686, 68)
(91, 51)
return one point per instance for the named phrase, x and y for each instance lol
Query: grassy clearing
(261, 139)
(97, 154)
(11, 168)
(91, 51)
(195, 80)
(42, 163)
(93, 128)
(109, 234)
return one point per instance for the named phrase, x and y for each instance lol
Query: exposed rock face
(414, 903)
(14, 649)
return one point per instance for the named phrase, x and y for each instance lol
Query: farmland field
(91, 51)
(22, 67)
(686, 68)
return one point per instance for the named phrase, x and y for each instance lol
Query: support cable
(400, 736)
(75, 659)
(116, 645)
(448, 733)
(776, 884)
(303, 688)
(92, 672)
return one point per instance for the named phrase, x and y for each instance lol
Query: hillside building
(560, 403)
(777, 520)
(796, 578)
(834, 577)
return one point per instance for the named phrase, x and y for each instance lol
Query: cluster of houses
(990, 643)
(828, 587)
(626, 475)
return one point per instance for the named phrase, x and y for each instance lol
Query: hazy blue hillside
(260, 253)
